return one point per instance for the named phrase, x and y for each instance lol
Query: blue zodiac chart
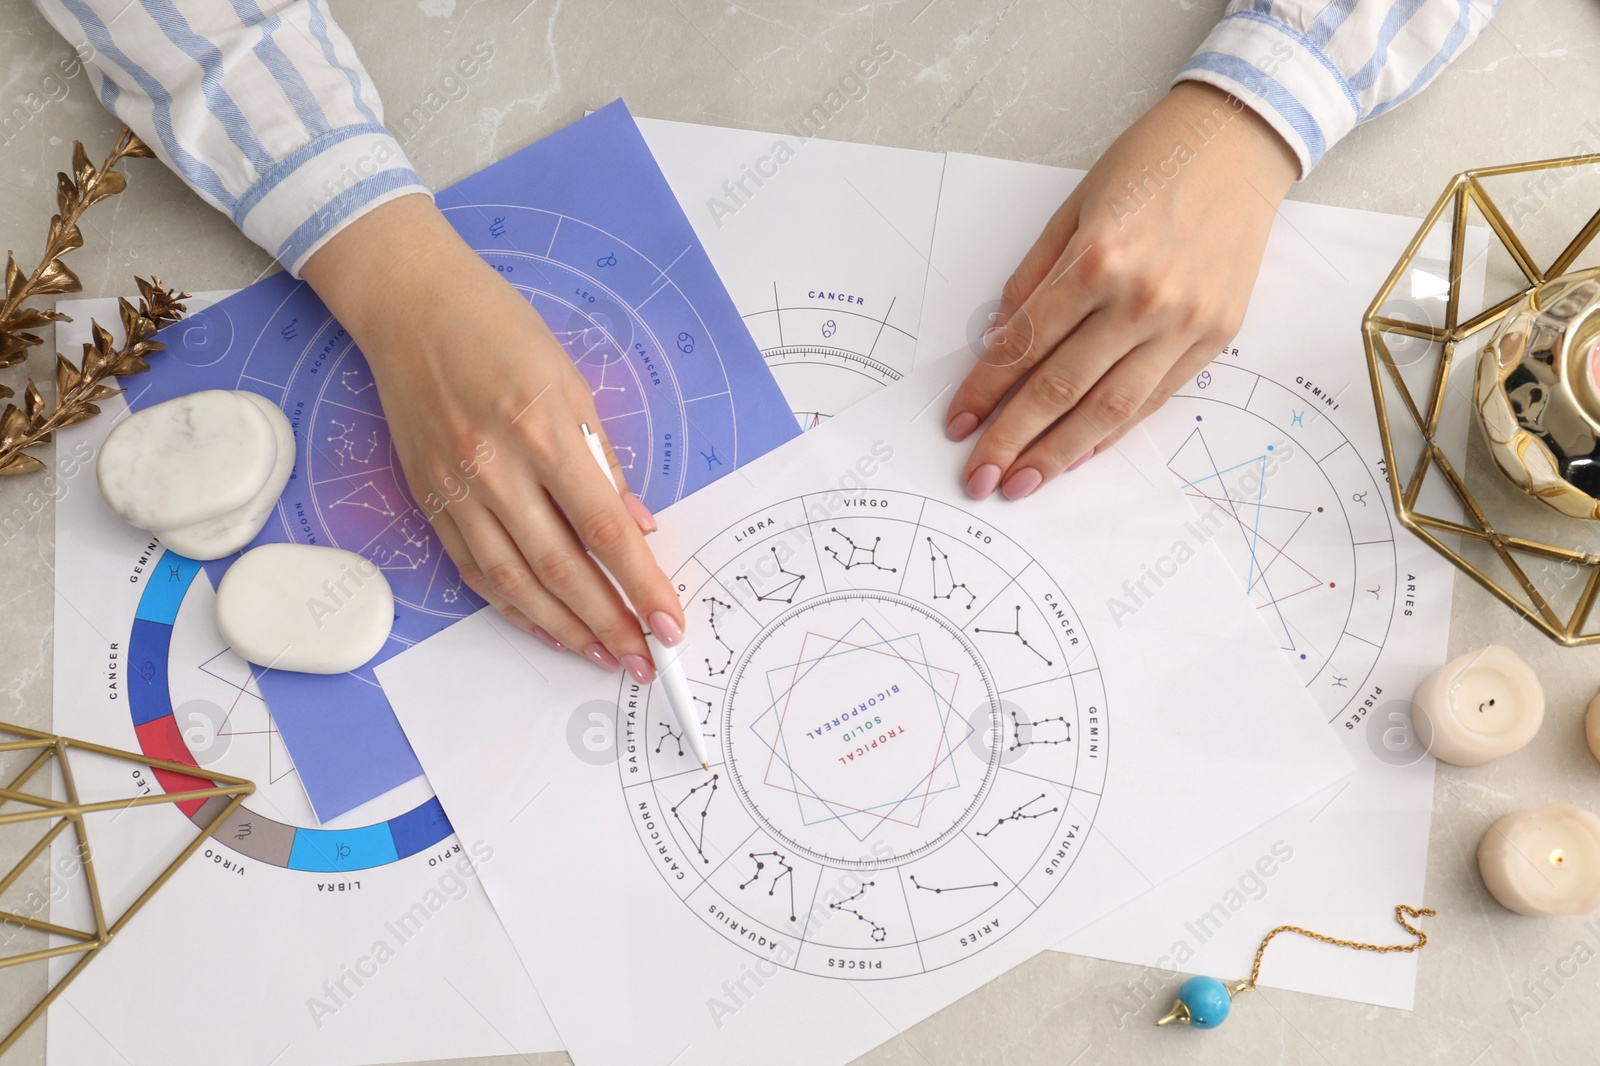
(585, 227)
(901, 705)
(1292, 503)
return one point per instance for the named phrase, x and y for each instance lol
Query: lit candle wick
(1557, 857)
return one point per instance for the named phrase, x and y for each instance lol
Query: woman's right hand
(484, 407)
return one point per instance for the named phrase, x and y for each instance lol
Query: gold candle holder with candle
(1492, 316)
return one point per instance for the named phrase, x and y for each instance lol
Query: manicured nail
(1022, 482)
(1084, 458)
(666, 628)
(983, 481)
(639, 668)
(544, 634)
(602, 658)
(961, 426)
(641, 514)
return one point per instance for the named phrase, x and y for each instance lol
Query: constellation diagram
(879, 933)
(351, 446)
(1285, 499)
(698, 834)
(949, 888)
(1021, 814)
(712, 603)
(857, 555)
(1053, 730)
(668, 733)
(367, 495)
(404, 546)
(1016, 631)
(786, 875)
(782, 591)
(883, 757)
(944, 577)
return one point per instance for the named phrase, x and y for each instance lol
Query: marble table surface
(1051, 82)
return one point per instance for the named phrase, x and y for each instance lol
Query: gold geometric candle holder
(50, 750)
(1494, 235)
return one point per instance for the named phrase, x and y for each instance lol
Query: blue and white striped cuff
(316, 191)
(1283, 77)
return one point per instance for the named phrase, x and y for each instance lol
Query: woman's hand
(484, 407)
(1137, 281)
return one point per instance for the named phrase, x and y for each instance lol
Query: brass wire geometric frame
(1489, 526)
(51, 748)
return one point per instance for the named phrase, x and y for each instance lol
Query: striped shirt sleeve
(1315, 69)
(261, 106)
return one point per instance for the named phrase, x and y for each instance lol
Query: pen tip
(705, 766)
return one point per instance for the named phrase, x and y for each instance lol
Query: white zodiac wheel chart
(827, 349)
(908, 733)
(1297, 509)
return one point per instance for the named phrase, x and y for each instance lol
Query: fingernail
(641, 514)
(961, 426)
(1084, 458)
(983, 481)
(1022, 482)
(666, 628)
(602, 658)
(544, 634)
(639, 668)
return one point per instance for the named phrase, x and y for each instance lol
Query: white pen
(668, 670)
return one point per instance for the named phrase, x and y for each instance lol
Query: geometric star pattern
(859, 792)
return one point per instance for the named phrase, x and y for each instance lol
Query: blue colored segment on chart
(584, 225)
(245, 831)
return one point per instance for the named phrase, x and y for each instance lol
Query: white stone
(304, 607)
(186, 460)
(227, 533)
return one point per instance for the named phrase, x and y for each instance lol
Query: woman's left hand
(1127, 293)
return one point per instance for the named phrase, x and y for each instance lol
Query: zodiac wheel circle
(1297, 510)
(908, 732)
(247, 832)
(928, 665)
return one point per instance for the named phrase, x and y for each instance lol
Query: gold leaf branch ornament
(75, 194)
(78, 387)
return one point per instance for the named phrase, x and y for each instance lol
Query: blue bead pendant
(1203, 1003)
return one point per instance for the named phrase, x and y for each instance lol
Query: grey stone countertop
(1049, 82)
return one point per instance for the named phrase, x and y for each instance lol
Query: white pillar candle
(1543, 861)
(1483, 705)
(1591, 725)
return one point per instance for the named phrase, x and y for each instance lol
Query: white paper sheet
(238, 959)
(1276, 446)
(937, 747)
(823, 246)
